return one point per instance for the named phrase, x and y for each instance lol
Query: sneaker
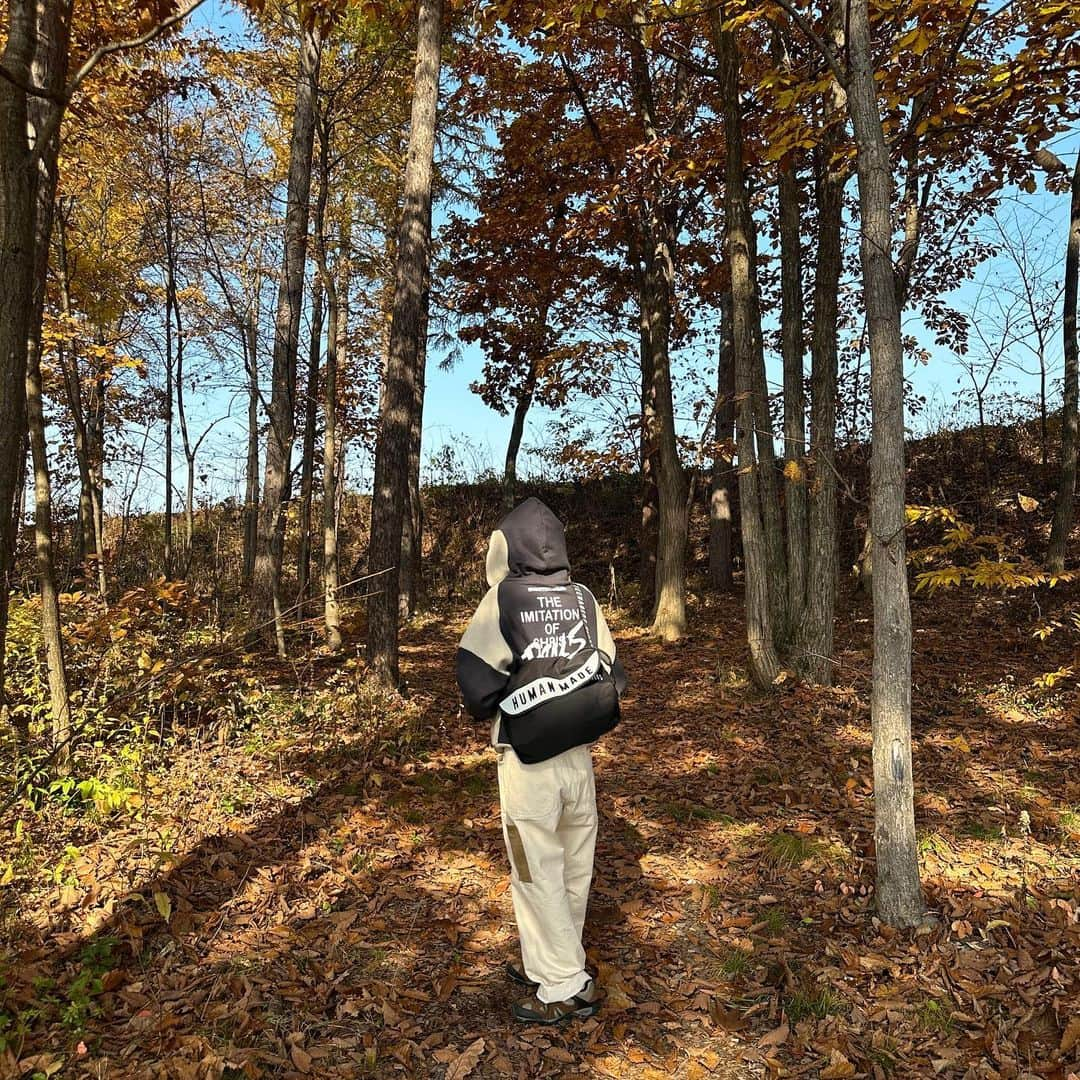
(582, 1005)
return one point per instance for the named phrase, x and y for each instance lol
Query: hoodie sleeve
(484, 659)
(606, 644)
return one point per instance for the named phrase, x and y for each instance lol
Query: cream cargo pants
(549, 824)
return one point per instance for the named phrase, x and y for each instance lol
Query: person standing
(538, 661)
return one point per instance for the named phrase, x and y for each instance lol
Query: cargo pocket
(526, 792)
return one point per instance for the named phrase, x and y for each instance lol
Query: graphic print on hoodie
(536, 633)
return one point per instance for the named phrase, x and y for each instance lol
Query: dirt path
(360, 930)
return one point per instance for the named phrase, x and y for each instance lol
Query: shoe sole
(578, 1014)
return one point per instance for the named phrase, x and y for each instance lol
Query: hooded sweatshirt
(533, 620)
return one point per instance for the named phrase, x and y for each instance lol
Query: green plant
(786, 850)
(775, 919)
(734, 963)
(812, 1004)
(932, 1015)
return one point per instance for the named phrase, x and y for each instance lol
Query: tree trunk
(768, 478)
(1066, 498)
(17, 199)
(307, 461)
(338, 303)
(266, 582)
(791, 332)
(650, 509)
(815, 630)
(899, 893)
(50, 72)
(412, 522)
(69, 368)
(517, 430)
(391, 486)
(251, 469)
(669, 620)
(720, 555)
(764, 662)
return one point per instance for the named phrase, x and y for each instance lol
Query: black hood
(530, 540)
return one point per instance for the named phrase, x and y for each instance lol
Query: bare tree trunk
(412, 522)
(338, 298)
(391, 487)
(251, 469)
(190, 449)
(899, 892)
(517, 430)
(650, 509)
(69, 367)
(815, 630)
(266, 582)
(720, 537)
(669, 620)
(50, 72)
(95, 441)
(791, 332)
(307, 461)
(764, 662)
(768, 478)
(1066, 498)
(18, 183)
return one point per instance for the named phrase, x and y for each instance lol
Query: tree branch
(49, 130)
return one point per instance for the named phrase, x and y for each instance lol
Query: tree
(49, 72)
(720, 509)
(899, 893)
(745, 316)
(1066, 499)
(266, 583)
(391, 484)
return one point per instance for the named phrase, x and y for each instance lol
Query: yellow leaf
(163, 905)
(1027, 503)
(793, 472)
(960, 743)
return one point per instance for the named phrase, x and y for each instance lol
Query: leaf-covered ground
(285, 903)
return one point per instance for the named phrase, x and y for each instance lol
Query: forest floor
(287, 902)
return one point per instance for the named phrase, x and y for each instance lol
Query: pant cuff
(564, 991)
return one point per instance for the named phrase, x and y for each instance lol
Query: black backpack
(556, 704)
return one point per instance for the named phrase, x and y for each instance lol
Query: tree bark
(1065, 506)
(412, 522)
(307, 458)
(764, 662)
(69, 368)
(720, 526)
(517, 431)
(815, 630)
(266, 583)
(18, 182)
(250, 332)
(391, 486)
(650, 508)
(791, 332)
(337, 295)
(50, 72)
(899, 893)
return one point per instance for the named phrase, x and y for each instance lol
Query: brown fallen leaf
(839, 1068)
(1071, 1036)
(776, 1037)
(300, 1058)
(464, 1064)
